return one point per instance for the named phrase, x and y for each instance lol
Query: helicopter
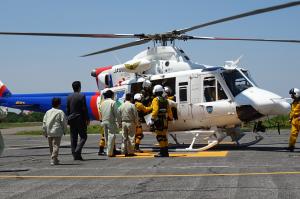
(211, 100)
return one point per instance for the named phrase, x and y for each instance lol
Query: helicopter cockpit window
(210, 89)
(247, 74)
(235, 81)
(221, 93)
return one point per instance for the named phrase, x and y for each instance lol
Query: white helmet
(295, 92)
(158, 88)
(168, 89)
(146, 84)
(138, 96)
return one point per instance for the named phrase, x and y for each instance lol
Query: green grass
(5, 125)
(33, 133)
(92, 129)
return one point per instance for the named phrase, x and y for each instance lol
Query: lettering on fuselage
(119, 70)
(20, 103)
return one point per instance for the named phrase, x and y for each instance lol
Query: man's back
(128, 112)
(76, 105)
(109, 110)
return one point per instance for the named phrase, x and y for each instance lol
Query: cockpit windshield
(248, 75)
(235, 81)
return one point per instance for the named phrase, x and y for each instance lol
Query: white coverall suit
(129, 117)
(109, 112)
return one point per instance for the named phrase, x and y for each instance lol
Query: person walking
(161, 113)
(294, 118)
(54, 127)
(109, 112)
(78, 119)
(129, 118)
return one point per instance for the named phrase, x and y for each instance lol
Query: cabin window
(209, 89)
(183, 94)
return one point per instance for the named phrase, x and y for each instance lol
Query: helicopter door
(217, 106)
(197, 109)
(183, 96)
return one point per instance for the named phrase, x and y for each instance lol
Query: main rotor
(171, 36)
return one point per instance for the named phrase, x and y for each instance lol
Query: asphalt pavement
(264, 170)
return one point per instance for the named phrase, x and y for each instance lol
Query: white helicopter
(210, 100)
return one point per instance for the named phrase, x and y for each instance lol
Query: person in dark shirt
(78, 119)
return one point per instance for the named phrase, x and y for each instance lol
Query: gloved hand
(151, 122)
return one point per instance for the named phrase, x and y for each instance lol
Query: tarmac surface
(264, 170)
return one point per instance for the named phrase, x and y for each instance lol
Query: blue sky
(51, 64)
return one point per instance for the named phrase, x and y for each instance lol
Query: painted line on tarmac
(152, 175)
(149, 154)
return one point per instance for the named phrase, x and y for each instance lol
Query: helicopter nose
(261, 103)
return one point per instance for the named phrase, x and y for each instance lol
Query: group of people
(55, 123)
(127, 117)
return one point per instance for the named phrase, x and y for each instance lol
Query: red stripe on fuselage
(93, 105)
(2, 90)
(100, 70)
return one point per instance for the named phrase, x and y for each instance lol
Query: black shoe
(101, 151)
(290, 148)
(117, 152)
(130, 155)
(137, 148)
(78, 157)
(161, 155)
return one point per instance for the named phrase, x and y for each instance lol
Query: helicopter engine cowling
(136, 65)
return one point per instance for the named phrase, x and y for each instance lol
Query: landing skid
(214, 139)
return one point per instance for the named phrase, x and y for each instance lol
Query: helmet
(104, 91)
(138, 96)
(295, 92)
(108, 94)
(146, 84)
(157, 89)
(168, 90)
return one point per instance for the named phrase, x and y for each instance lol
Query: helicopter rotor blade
(246, 14)
(74, 35)
(185, 37)
(130, 44)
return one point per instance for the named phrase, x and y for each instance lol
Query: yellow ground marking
(154, 175)
(149, 154)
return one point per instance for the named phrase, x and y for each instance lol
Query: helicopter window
(183, 94)
(186, 57)
(221, 93)
(210, 89)
(167, 63)
(183, 83)
(181, 51)
(235, 81)
(247, 74)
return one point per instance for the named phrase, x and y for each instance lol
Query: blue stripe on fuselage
(41, 102)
